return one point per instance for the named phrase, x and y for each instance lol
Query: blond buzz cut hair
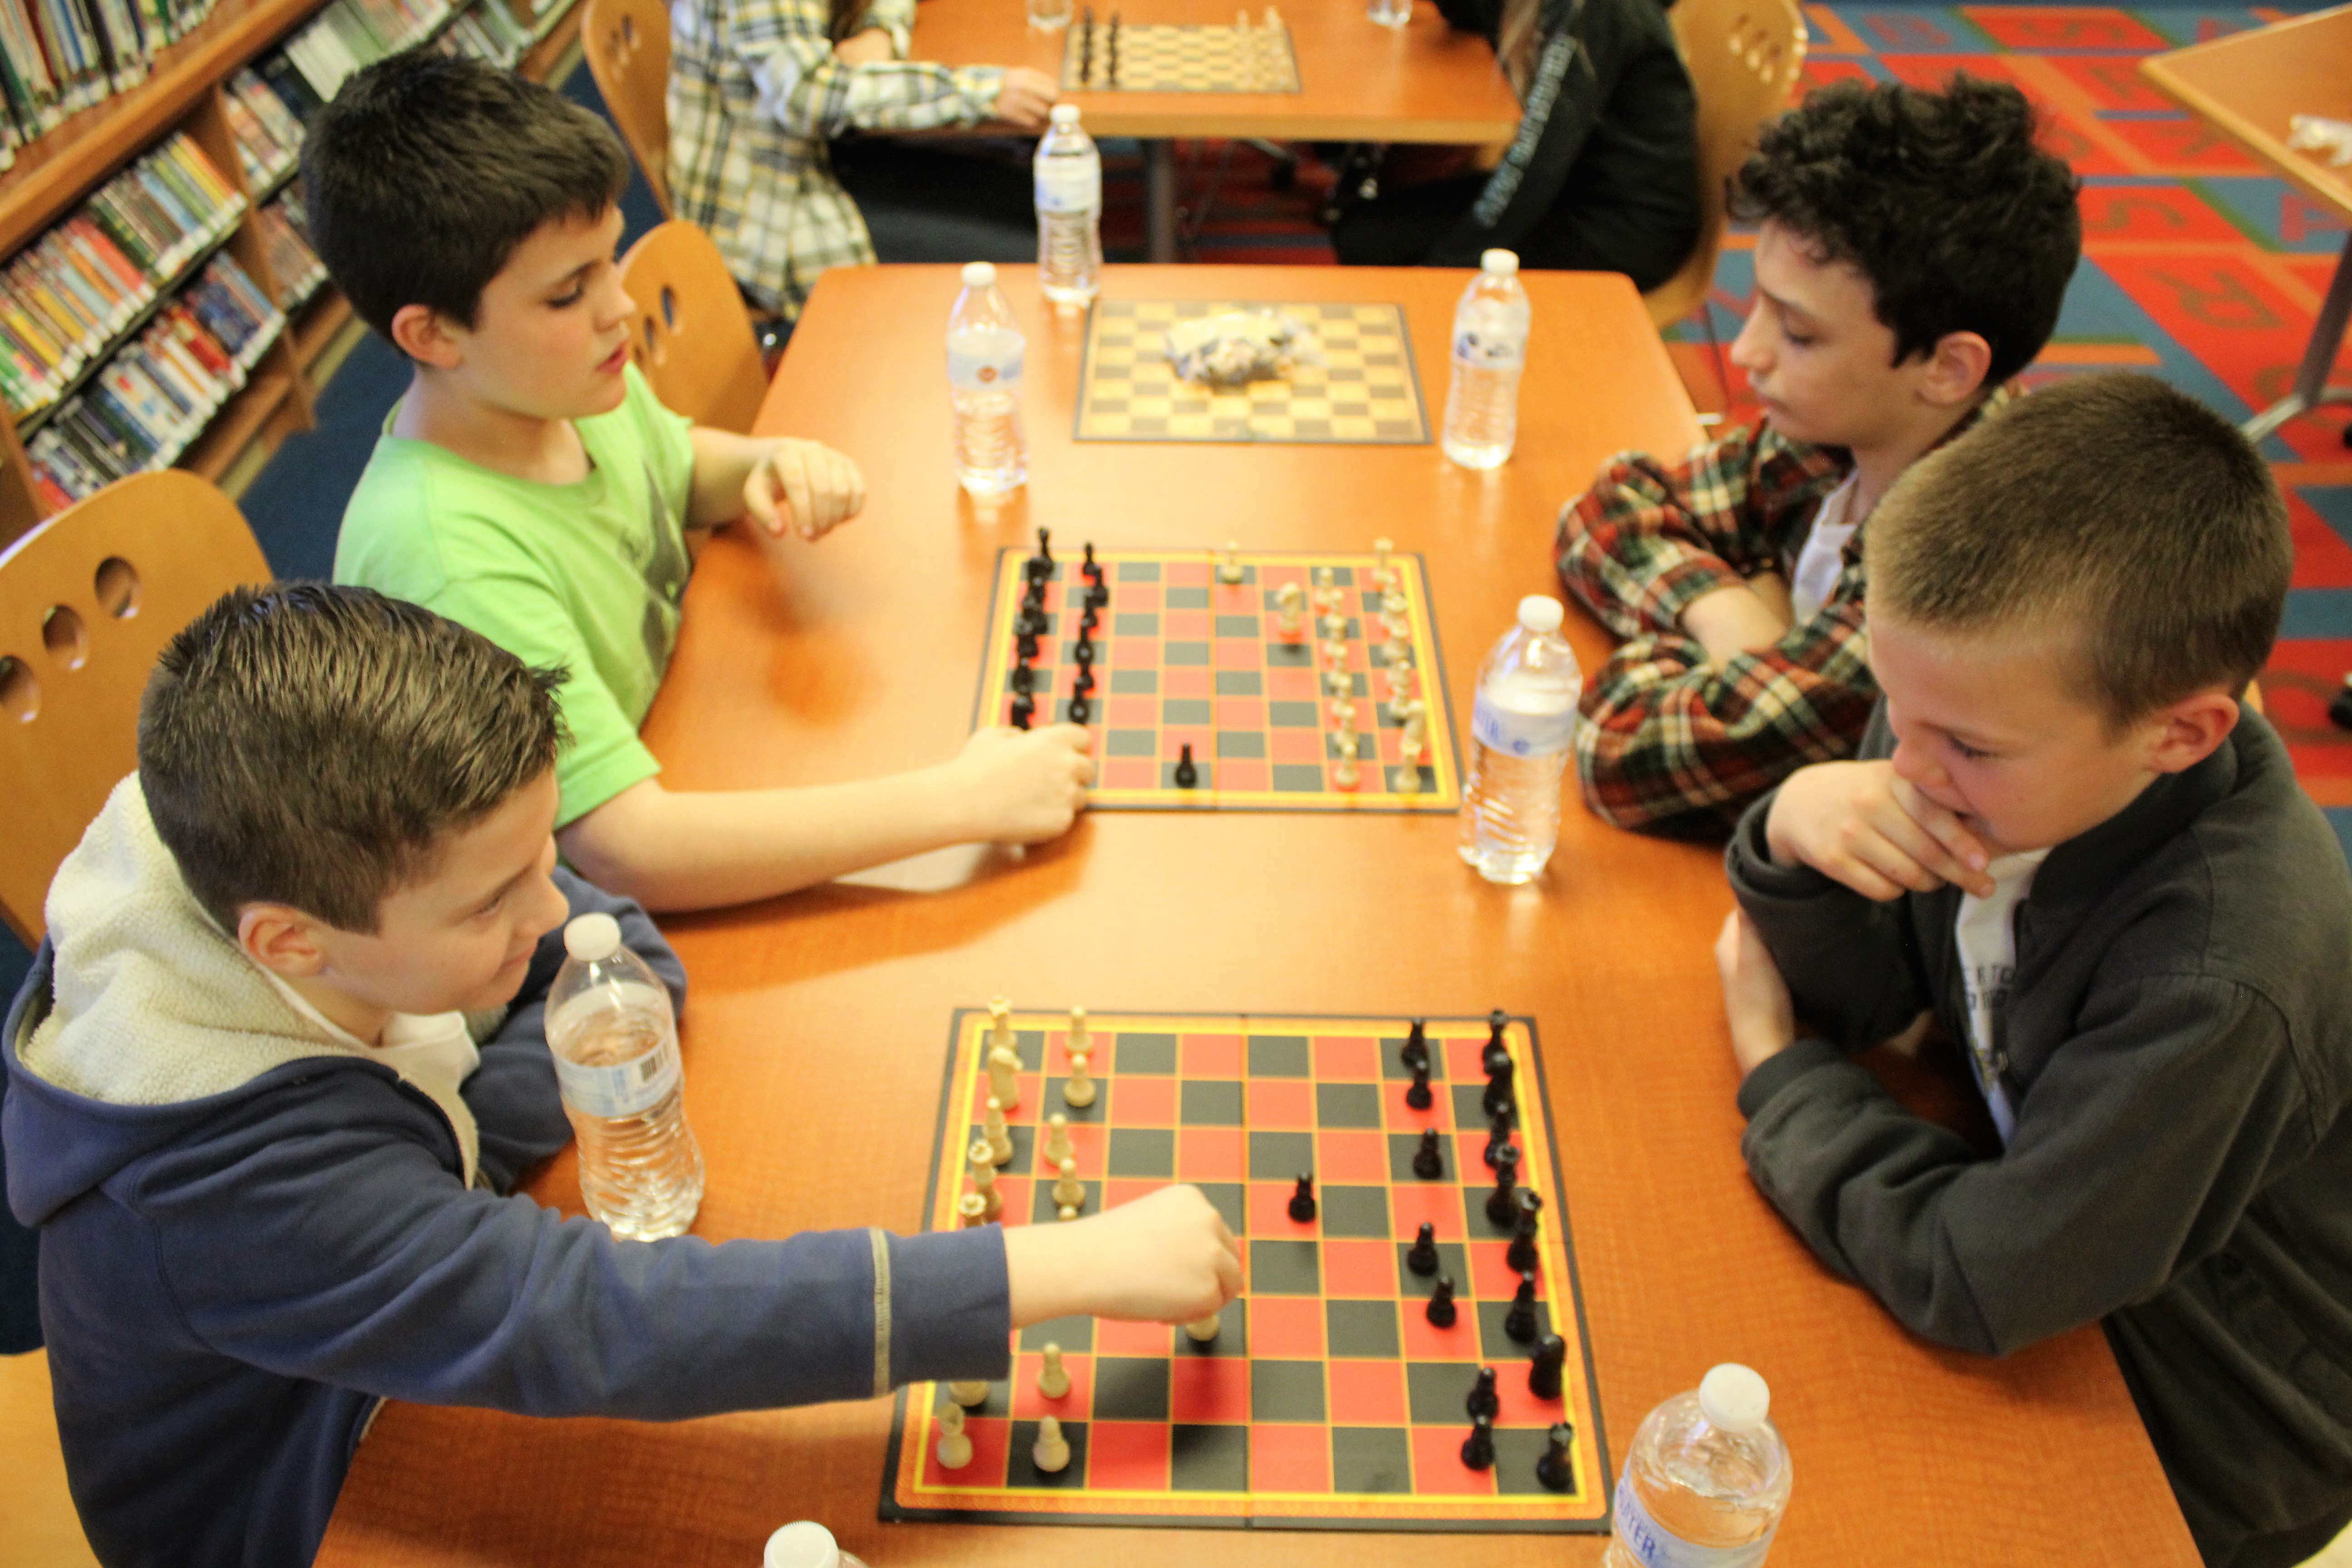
(2107, 507)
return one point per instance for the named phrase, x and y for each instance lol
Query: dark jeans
(943, 198)
(2290, 1547)
(1399, 227)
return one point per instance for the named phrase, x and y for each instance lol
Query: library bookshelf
(183, 92)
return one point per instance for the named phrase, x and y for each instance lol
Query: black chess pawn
(1544, 1371)
(1092, 570)
(1025, 646)
(1496, 1021)
(1302, 1199)
(1089, 623)
(1422, 1257)
(1521, 1256)
(1484, 1400)
(1415, 1052)
(1505, 1113)
(1083, 683)
(1502, 1206)
(1025, 679)
(1187, 776)
(1417, 1094)
(1498, 1087)
(1045, 547)
(1081, 711)
(1024, 707)
(1498, 1138)
(1478, 1449)
(1083, 651)
(1556, 1471)
(1443, 1313)
(1097, 595)
(1428, 1164)
(1519, 1322)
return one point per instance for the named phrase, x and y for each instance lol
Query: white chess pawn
(1335, 654)
(1078, 1090)
(1339, 682)
(984, 1180)
(971, 1395)
(1053, 1450)
(1416, 737)
(1346, 774)
(955, 1446)
(972, 1211)
(1070, 1192)
(1053, 1378)
(1077, 1038)
(1290, 603)
(1383, 573)
(1229, 569)
(1000, 1136)
(1201, 1331)
(1350, 747)
(1343, 713)
(1407, 779)
(1057, 1140)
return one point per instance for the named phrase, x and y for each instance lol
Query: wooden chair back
(627, 42)
(1744, 58)
(691, 339)
(88, 601)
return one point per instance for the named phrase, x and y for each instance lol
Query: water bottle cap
(804, 1543)
(1539, 614)
(980, 274)
(1064, 116)
(1499, 263)
(592, 939)
(1734, 1397)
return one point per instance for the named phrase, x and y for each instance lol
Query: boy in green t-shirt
(531, 486)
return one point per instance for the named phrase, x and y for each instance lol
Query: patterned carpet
(2198, 267)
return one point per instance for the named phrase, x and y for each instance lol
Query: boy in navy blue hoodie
(283, 1055)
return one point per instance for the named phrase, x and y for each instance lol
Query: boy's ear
(2191, 730)
(1956, 369)
(280, 938)
(426, 336)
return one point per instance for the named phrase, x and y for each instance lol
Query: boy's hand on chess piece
(804, 486)
(1755, 998)
(1165, 1258)
(1026, 98)
(1024, 786)
(1862, 825)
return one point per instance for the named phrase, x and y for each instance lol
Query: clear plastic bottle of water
(1490, 349)
(1521, 729)
(805, 1543)
(1069, 210)
(616, 1059)
(984, 353)
(1706, 1481)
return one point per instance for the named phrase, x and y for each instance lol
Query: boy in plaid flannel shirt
(1914, 251)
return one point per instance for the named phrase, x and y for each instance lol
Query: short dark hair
(426, 171)
(1941, 199)
(314, 745)
(2111, 507)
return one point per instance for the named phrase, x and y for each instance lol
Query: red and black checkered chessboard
(1181, 658)
(1327, 1400)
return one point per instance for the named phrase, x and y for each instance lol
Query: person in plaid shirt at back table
(1914, 250)
(757, 90)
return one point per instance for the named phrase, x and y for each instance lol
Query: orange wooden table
(1358, 81)
(2248, 86)
(815, 1024)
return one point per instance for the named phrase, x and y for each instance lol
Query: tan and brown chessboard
(1362, 392)
(1104, 57)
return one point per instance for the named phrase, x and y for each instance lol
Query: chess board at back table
(1179, 57)
(1183, 658)
(1327, 1400)
(1364, 391)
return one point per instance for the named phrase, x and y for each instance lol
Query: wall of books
(162, 304)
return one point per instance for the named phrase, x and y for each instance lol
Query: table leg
(1158, 199)
(2311, 388)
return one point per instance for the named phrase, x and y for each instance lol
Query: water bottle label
(992, 372)
(1488, 351)
(1517, 732)
(1069, 185)
(1653, 1546)
(628, 1089)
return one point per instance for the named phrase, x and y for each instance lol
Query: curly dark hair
(1941, 199)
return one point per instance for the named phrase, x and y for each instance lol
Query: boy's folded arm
(1648, 537)
(409, 1287)
(1671, 740)
(806, 89)
(513, 1094)
(2136, 1152)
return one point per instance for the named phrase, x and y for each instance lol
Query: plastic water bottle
(1490, 349)
(804, 1543)
(616, 1060)
(1521, 729)
(1706, 1480)
(984, 352)
(1069, 210)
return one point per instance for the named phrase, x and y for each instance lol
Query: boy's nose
(1748, 350)
(1913, 765)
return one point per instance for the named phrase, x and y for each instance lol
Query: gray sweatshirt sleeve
(2085, 1212)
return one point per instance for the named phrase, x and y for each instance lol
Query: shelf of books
(160, 301)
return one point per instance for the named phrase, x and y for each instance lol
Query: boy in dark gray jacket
(2067, 838)
(283, 1057)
